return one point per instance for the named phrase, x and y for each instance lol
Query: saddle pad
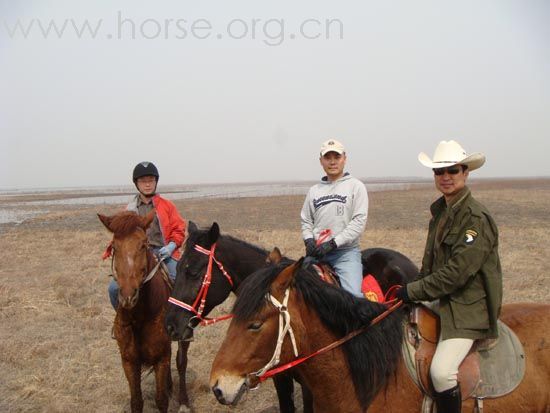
(502, 366)
(407, 349)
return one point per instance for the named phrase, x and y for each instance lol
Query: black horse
(239, 260)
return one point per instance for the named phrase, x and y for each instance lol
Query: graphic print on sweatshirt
(328, 199)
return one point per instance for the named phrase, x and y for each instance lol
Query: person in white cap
(461, 273)
(334, 216)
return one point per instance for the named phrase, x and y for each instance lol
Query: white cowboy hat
(449, 153)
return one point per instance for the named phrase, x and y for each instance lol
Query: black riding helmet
(145, 169)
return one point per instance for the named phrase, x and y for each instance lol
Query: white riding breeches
(447, 358)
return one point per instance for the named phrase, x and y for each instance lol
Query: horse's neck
(322, 382)
(156, 293)
(399, 389)
(329, 371)
(232, 260)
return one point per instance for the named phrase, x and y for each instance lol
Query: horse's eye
(255, 326)
(193, 272)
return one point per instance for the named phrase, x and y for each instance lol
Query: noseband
(200, 302)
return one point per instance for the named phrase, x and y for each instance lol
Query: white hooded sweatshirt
(341, 206)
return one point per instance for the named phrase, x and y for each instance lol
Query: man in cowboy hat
(334, 216)
(460, 272)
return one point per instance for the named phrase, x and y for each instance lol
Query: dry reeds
(56, 354)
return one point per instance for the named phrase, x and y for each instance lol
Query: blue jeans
(347, 264)
(113, 286)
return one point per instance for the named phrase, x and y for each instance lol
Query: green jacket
(461, 268)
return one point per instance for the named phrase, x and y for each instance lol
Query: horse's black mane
(200, 235)
(372, 356)
(244, 244)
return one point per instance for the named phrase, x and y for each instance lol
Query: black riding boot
(449, 401)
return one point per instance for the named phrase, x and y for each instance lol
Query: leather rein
(198, 305)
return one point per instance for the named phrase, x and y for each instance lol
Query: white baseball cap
(332, 145)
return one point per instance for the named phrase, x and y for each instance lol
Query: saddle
(492, 368)
(369, 287)
(327, 273)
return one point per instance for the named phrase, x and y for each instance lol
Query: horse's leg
(181, 363)
(284, 384)
(132, 371)
(162, 379)
(307, 398)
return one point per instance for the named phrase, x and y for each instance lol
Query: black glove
(310, 246)
(324, 249)
(402, 294)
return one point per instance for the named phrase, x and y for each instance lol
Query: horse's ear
(191, 227)
(213, 234)
(274, 257)
(147, 219)
(105, 220)
(285, 277)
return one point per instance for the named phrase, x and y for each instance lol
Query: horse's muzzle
(179, 327)
(174, 334)
(229, 390)
(129, 302)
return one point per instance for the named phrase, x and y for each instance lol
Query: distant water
(13, 210)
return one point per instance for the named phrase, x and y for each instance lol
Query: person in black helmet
(167, 231)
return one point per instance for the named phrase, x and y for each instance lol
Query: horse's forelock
(252, 292)
(124, 223)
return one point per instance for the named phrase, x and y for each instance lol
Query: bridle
(147, 277)
(284, 329)
(254, 379)
(197, 308)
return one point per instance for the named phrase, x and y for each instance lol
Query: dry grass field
(56, 352)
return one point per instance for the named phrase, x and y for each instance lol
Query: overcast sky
(233, 91)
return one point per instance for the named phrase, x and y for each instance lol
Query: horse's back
(389, 267)
(525, 315)
(531, 323)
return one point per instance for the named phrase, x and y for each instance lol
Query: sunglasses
(453, 170)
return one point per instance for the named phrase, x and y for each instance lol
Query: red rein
(280, 369)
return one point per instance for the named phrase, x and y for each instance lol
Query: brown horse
(365, 372)
(139, 321)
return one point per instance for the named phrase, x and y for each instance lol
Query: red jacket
(172, 225)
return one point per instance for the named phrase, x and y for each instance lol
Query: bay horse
(139, 322)
(365, 372)
(240, 259)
